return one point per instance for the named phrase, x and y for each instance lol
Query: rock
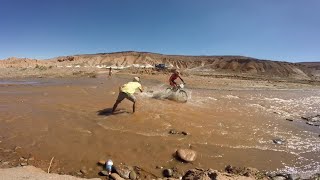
(123, 170)
(279, 178)
(102, 162)
(167, 172)
(83, 171)
(24, 164)
(184, 133)
(31, 159)
(289, 119)
(116, 176)
(243, 171)
(187, 155)
(279, 141)
(5, 163)
(310, 123)
(173, 131)
(200, 174)
(160, 167)
(16, 148)
(103, 173)
(133, 175)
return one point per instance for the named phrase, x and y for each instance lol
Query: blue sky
(286, 30)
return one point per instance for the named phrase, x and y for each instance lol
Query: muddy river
(71, 120)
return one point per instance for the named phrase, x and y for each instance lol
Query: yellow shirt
(131, 87)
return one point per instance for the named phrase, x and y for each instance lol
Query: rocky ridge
(200, 65)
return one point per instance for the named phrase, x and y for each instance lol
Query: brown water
(70, 119)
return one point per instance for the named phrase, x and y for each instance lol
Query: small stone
(7, 150)
(83, 171)
(187, 155)
(123, 170)
(104, 173)
(279, 178)
(173, 131)
(16, 148)
(167, 172)
(24, 164)
(289, 119)
(21, 159)
(184, 133)
(116, 176)
(310, 123)
(5, 163)
(160, 167)
(102, 162)
(133, 175)
(31, 159)
(278, 141)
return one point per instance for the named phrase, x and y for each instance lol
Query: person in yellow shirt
(127, 91)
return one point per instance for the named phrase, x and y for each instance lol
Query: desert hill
(191, 64)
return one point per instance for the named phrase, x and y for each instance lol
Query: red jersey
(172, 78)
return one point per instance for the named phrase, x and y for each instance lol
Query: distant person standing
(110, 71)
(127, 91)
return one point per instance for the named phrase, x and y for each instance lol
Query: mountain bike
(180, 94)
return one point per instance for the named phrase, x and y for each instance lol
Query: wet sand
(229, 121)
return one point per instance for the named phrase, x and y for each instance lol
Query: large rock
(123, 170)
(187, 155)
(200, 174)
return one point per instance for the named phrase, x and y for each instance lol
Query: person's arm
(141, 89)
(181, 80)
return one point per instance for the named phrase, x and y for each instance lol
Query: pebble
(84, 171)
(187, 155)
(104, 173)
(102, 162)
(31, 159)
(116, 176)
(24, 164)
(289, 119)
(278, 141)
(173, 131)
(184, 133)
(310, 123)
(133, 175)
(123, 170)
(279, 178)
(160, 167)
(167, 172)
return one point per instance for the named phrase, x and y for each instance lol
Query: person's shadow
(108, 112)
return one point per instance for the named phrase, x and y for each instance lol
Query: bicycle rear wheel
(183, 96)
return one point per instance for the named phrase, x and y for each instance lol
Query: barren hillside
(191, 64)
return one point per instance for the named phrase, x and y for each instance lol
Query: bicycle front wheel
(183, 96)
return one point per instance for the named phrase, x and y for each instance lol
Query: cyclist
(173, 77)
